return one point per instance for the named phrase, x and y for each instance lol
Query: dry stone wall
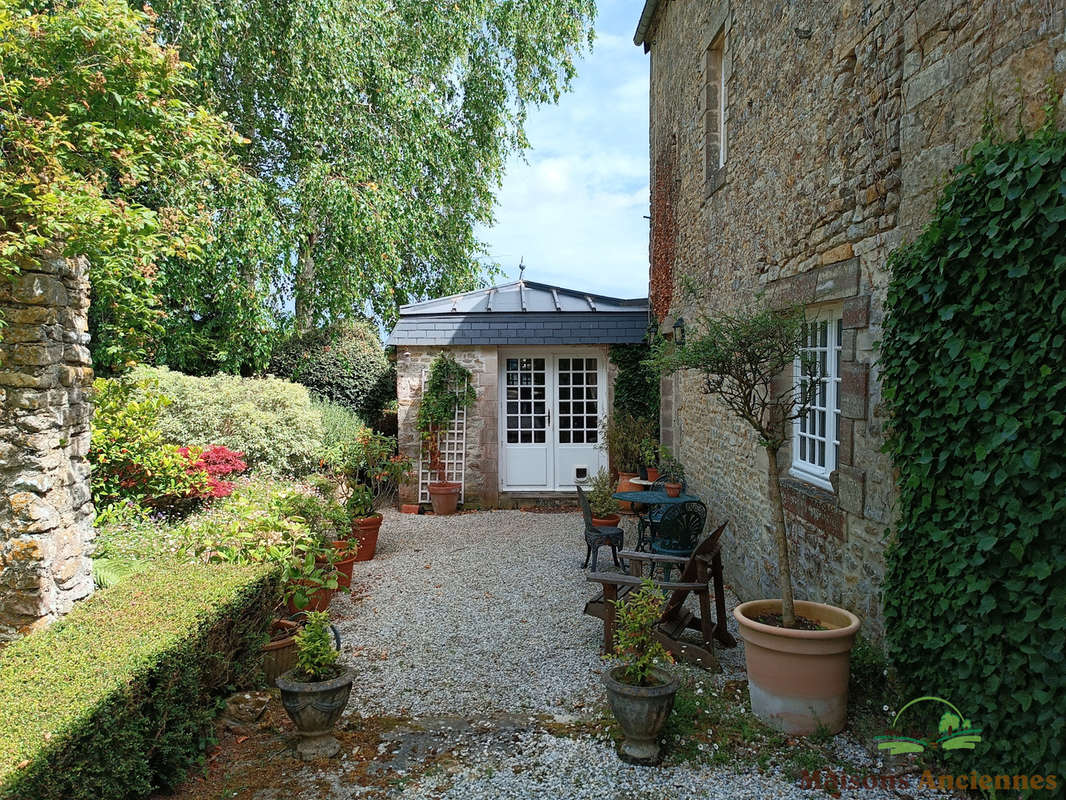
(842, 122)
(45, 376)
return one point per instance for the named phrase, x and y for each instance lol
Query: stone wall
(842, 122)
(45, 375)
(482, 470)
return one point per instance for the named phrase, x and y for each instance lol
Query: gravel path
(469, 630)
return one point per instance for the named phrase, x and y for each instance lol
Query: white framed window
(816, 435)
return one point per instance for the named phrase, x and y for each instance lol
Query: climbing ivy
(636, 384)
(972, 361)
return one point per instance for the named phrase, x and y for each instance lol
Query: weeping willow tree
(380, 130)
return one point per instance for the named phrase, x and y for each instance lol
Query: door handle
(549, 419)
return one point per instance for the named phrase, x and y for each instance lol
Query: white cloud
(575, 210)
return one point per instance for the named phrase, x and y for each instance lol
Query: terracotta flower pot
(344, 566)
(625, 484)
(653, 473)
(606, 522)
(672, 489)
(798, 679)
(641, 711)
(410, 508)
(319, 601)
(366, 529)
(315, 708)
(444, 497)
(279, 654)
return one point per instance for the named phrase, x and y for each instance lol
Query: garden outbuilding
(539, 356)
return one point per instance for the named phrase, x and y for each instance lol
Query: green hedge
(972, 360)
(345, 364)
(117, 699)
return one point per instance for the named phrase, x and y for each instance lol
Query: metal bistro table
(652, 498)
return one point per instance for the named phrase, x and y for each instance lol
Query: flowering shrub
(217, 462)
(370, 458)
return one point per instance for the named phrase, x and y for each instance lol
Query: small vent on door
(581, 473)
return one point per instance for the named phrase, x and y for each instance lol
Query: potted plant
(309, 579)
(797, 652)
(650, 456)
(600, 492)
(622, 436)
(279, 652)
(447, 389)
(672, 474)
(640, 691)
(365, 521)
(316, 690)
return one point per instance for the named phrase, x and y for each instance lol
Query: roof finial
(521, 268)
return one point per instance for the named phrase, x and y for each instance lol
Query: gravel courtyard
(478, 677)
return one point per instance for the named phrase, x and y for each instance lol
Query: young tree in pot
(316, 690)
(448, 388)
(672, 473)
(797, 666)
(641, 692)
(622, 436)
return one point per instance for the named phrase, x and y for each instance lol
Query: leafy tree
(102, 156)
(381, 130)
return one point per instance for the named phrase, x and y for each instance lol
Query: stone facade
(45, 376)
(482, 475)
(842, 120)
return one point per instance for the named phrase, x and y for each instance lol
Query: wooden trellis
(452, 453)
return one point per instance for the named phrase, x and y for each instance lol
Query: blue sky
(574, 208)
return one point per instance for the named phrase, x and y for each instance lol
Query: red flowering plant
(217, 462)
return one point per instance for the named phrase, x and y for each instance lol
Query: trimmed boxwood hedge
(972, 363)
(117, 699)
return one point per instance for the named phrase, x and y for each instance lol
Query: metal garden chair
(678, 531)
(597, 537)
(650, 515)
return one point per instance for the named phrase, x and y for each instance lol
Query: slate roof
(523, 312)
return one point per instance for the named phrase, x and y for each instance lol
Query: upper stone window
(714, 115)
(816, 435)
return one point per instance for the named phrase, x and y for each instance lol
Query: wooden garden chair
(701, 574)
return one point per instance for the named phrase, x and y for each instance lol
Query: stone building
(539, 356)
(793, 146)
(46, 513)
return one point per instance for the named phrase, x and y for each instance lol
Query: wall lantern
(679, 332)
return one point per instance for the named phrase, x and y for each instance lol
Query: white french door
(551, 404)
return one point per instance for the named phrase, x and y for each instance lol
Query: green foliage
(103, 156)
(670, 469)
(635, 644)
(316, 657)
(636, 384)
(361, 502)
(344, 364)
(623, 436)
(269, 420)
(380, 129)
(116, 700)
(448, 388)
(326, 518)
(972, 357)
(367, 461)
(341, 429)
(600, 491)
(131, 459)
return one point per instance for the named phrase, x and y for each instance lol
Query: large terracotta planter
(625, 484)
(315, 708)
(641, 711)
(366, 529)
(798, 679)
(444, 497)
(606, 522)
(344, 566)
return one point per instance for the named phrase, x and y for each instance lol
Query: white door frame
(551, 356)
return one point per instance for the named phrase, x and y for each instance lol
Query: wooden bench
(698, 573)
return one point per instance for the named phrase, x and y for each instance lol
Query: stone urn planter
(444, 496)
(366, 530)
(641, 711)
(314, 709)
(798, 679)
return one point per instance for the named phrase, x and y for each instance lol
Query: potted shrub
(447, 389)
(309, 580)
(365, 521)
(640, 691)
(622, 436)
(797, 652)
(672, 474)
(600, 493)
(279, 652)
(316, 690)
(650, 456)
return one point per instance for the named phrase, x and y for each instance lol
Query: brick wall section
(842, 120)
(46, 513)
